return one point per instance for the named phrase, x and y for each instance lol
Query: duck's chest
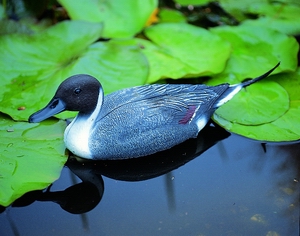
(76, 137)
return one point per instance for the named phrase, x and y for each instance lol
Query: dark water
(236, 187)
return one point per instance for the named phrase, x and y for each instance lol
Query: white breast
(77, 133)
(76, 137)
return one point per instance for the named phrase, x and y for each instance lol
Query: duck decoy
(136, 121)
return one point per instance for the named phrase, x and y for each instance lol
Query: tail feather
(234, 89)
(252, 81)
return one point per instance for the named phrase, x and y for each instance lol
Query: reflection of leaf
(182, 50)
(35, 65)
(286, 127)
(121, 18)
(31, 157)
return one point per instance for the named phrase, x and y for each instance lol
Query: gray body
(144, 120)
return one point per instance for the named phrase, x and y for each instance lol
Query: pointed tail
(235, 88)
(252, 81)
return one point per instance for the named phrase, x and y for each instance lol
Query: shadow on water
(221, 179)
(83, 197)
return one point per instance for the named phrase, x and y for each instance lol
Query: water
(233, 188)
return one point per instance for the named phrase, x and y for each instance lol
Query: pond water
(236, 187)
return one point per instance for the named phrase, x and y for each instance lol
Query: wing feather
(172, 101)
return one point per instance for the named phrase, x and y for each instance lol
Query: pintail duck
(136, 121)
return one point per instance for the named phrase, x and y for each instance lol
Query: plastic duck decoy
(136, 121)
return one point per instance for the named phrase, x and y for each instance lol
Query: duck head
(76, 93)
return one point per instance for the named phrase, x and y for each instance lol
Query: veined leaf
(182, 50)
(31, 157)
(286, 127)
(121, 19)
(34, 66)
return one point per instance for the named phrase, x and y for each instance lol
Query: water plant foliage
(134, 42)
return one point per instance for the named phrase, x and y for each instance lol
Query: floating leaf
(192, 2)
(33, 66)
(170, 15)
(286, 26)
(255, 50)
(286, 127)
(182, 50)
(252, 106)
(239, 9)
(121, 18)
(278, 15)
(31, 157)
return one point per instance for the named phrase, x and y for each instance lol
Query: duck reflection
(83, 197)
(143, 168)
(76, 199)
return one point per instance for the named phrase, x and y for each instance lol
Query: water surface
(234, 188)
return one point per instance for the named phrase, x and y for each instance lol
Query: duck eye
(77, 91)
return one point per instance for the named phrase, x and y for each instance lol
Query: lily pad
(279, 15)
(121, 19)
(31, 158)
(254, 51)
(240, 9)
(286, 127)
(170, 15)
(192, 2)
(182, 50)
(252, 105)
(33, 66)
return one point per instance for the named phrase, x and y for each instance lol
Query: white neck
(77, 133)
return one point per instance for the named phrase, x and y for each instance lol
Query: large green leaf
(121, 18)
(33, 66)
(170, 15)
(31, 157)
(252, 106)
(52, 49)
(279, 15)
(192, 2)
(255, 50)
(286, 127)
(182, 50)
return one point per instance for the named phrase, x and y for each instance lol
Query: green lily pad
(286, 127)
(251, 106)
(290, 27)
(121, 18)
(278, 15)
(192, 2)
(2, 12)
(34, 66)
(182, 50)
(31, 158)
(283, 17)
(170, 15)
(240, 9)
(254, 51)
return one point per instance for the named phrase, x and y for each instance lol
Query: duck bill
(54, 107)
